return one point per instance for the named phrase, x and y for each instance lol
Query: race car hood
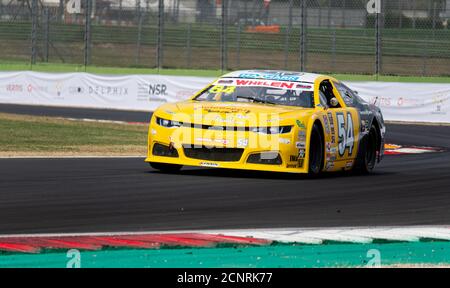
(238, 114)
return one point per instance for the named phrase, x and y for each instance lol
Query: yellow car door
(347, 123)
(342, 123)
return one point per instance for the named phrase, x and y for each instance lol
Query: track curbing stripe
(210, 238)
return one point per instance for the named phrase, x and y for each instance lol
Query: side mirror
(356, 92)
(334, 102)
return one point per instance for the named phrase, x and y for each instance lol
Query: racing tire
(316, 151)
(167, 168)
(368, 159)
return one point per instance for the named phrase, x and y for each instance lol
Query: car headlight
(168, 123)
(272, 130)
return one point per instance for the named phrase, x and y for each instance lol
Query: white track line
(103, 121)
(417, 123)
(361, 235)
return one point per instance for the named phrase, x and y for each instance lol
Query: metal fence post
(303, 36)
(344, 15)
(329, 14)
(46, 20)
(434, 19)
(424, 57)
(188, 45)
(34, 26)
(159, 49)
(87, 33)
(333, 50)
(378, 41)
(319, 18)
(139, 38)
(238, 47)
(287, 36)
(223, 37)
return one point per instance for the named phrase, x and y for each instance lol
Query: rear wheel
(168, 168)
(316, 151)
(369, 157)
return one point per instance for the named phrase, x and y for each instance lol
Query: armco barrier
(412, 102)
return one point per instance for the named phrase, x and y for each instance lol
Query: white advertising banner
(411, 102)
(133, 92)
(414, 102)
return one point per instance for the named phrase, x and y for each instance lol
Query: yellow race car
(269, 121)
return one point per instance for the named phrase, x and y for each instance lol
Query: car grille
(213, 153)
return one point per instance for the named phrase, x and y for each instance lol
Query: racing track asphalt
(119, 195)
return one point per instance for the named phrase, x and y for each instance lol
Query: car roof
(279, 75)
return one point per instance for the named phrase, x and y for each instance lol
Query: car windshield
(270, 93)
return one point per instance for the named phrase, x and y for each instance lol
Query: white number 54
(345, 133)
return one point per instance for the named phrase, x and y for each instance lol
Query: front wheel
(168, 168)
(316, 151)
(369, 158)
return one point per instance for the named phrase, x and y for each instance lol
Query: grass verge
(43, 136)
(66, 68)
